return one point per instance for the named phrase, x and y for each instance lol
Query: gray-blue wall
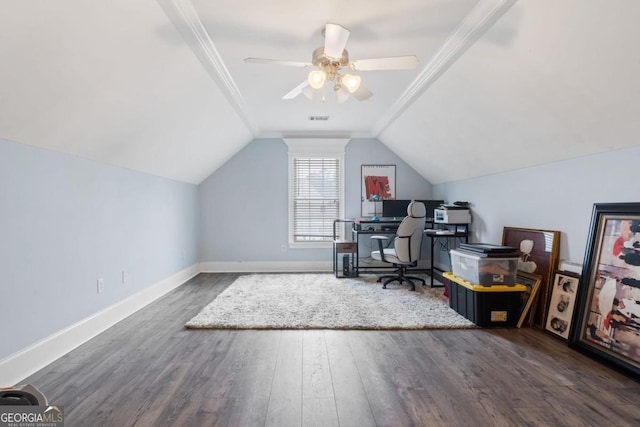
(66, 221)
(243, 205)
(555, 196)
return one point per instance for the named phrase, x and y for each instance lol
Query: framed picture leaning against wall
(606, 323)
(538, 254)
(562, 303)
(529, 297)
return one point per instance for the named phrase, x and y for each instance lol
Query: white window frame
(314, 147)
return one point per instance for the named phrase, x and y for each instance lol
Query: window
(316, 190)
(316, 198)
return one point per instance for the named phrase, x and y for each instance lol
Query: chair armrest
(379, 239)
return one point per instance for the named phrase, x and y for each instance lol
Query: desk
(451, 231)
(368, 227)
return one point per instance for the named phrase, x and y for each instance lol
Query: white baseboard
(266, 267)
(283, 267)
(20, 365)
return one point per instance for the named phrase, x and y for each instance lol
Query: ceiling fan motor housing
(328, 64)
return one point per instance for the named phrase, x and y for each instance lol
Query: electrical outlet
(100, 284)
(283, 248)
(124, 277)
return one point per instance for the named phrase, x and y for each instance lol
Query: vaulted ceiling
(162, 87)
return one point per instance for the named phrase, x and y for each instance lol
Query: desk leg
(433, 267)
(356, 264)
(432, 257)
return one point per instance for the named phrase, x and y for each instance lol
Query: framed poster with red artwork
(378, 183)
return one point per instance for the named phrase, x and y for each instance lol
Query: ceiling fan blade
(278, 62)
(296, 91)
(362, 93)
(407, 62)
(335, 39)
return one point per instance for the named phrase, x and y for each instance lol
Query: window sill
(311, 245)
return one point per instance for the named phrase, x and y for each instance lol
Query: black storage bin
(486, 306)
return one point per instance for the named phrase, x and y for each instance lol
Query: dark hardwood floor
(149, 371)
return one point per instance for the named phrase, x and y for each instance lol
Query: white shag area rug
(322, 301)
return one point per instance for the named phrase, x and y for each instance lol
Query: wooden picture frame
(530, 297)
(562, 303)
(606, 323)
(378, 183)
(538, 250)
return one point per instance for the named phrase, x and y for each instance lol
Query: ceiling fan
(329, 62)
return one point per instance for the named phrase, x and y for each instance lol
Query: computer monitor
(431, 205)
(395, 208)
(398, 208)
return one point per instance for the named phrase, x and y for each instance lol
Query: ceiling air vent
(319, 118)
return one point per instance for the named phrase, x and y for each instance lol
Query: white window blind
(316, 190)
(316, 198)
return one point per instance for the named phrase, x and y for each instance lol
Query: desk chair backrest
(409, 235)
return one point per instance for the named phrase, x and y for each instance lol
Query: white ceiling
(161, 86)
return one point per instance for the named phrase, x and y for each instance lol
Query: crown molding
(185, 17)
(480, 19)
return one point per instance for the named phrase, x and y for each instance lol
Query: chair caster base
(400, 277)
(400, 281)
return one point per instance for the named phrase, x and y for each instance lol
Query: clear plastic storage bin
(484, 271)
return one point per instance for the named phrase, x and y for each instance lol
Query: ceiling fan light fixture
(351, 82)
(308, 92)
(341, 95)
(331, 59)
(317, 78)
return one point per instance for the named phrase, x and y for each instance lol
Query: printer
(452, 214)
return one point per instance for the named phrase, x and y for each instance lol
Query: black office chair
(405, 252)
